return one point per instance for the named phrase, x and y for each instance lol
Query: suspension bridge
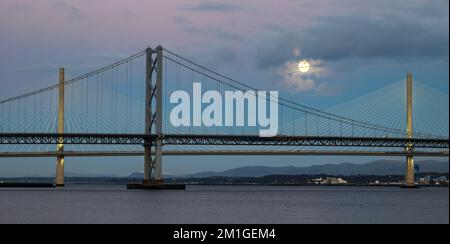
(123, 110)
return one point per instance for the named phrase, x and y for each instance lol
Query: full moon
(304, 66)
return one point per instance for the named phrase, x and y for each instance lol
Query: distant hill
(139, 175)
(380, 167)
(69, 174)
(136, 176)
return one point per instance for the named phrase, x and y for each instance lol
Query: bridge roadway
(222, 140)
(219, 153)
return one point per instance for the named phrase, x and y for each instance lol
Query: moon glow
(304, 66)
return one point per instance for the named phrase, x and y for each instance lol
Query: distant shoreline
(48, 185)
(270, 180)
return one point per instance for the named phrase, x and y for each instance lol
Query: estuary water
(226, 205)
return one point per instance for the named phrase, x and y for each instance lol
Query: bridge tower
(410, 178)
(60, 146)
(153, 116)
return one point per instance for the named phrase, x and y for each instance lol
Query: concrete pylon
(153, 116)
(60, 146)
(153, 143)
(148, 144)
(410, 178)
(159, 114)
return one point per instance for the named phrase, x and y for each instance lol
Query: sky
(355, 46)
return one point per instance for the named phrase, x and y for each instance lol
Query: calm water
(225, 205)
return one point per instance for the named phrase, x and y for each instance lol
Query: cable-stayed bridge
(124, 109)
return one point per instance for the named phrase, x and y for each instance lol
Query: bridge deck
(227, 140)
(219, 153)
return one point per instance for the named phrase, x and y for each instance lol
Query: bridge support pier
(153, 153)
(410, 177)
(153, 116)
(148, 144)
(60, 146)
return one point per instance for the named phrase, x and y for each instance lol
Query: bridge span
(221, 140)
(220, 153)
